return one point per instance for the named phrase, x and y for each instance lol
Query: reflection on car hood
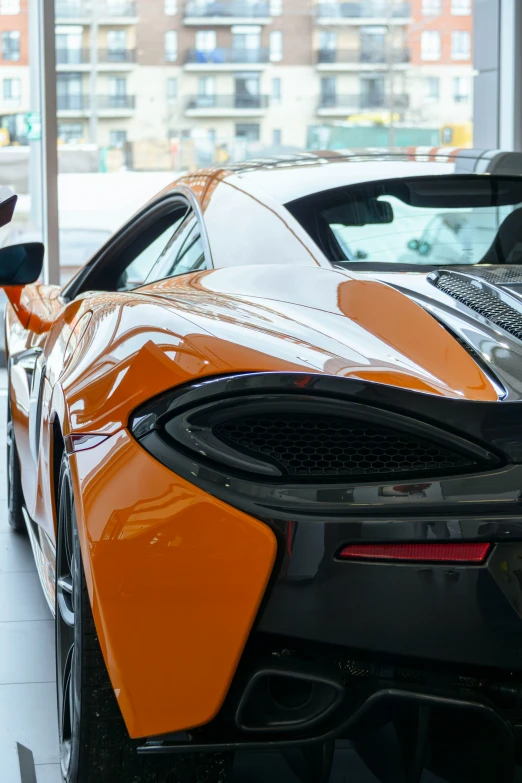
(326, 321)
(481, 305)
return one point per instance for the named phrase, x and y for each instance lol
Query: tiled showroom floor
(27, 687)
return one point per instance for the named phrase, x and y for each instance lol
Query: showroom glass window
(199, 83)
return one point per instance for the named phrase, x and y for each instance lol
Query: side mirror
(413, 244)
(7, 206)
(21, 264)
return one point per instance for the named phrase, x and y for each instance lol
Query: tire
(94, 743)
(15, 495)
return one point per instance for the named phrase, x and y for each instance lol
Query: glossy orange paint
(177, 579)
(175, 576)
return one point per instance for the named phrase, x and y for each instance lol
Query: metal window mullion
(47, 66)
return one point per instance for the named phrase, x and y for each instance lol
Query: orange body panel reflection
(177, 577)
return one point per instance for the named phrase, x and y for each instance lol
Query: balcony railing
(72, 10)
(118, 8)
(227, 102)
(227, 8)
(227, 56)
(73, 102)
(357, 102)
(76, 9)
(362, 57)
(115, 102)
(73, 56)
(81, 103)
(363, 9)
(107, 56)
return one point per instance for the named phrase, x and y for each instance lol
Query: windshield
(421, 221)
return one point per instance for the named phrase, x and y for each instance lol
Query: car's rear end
(393, 611)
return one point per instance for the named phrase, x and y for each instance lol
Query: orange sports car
(267, 446)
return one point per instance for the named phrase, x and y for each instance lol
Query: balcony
(117, 12)
(75, 11)
(359, 59)
(72, 59)
(226, 105)
(226, 59)
(73, 105)
(361, 12)
(115, 105)
(104, 105)
(226, 12)
(116, 59)
(108, 59)
(342, 105)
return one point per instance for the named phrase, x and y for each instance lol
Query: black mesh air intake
(498, 275)
(319, 446)
(482, 302)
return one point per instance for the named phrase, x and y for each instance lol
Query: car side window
(184, 253)
(136, 273)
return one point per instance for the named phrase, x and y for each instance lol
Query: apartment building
(14, 59)
(258, 71)
(441, 77)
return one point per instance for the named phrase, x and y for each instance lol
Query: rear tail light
(443, 552)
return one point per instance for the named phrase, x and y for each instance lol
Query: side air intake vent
(319, 446)
(482, 302)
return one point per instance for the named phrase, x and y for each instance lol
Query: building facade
(212, 77)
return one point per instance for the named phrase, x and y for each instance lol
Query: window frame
(145, 220)
(424, 37)
(10, 36)
(456, 9)
(168, 51)
(460, 35)
(431, 14)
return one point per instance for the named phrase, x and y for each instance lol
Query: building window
(116, 45)
(460, 45)
(276, 137)
(118, 98)
(171, 7)
(430, 45)
(207, 86)
(276, 46)
(12, 90)
(171, 46)
(172, 88)
(276, 91)
(276, 7)
(431, 7)
(328, 91)
(432, 88)
(9, 7)
(70, 132)
(11, 45)
(461, 7)
(205, 40)
(117, 138)
(248, 131)
(461, 89)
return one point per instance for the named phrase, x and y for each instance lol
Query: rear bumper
(438, 612)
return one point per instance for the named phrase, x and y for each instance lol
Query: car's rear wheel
(94, 744)
(15, 495)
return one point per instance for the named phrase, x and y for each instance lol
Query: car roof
(289, 177)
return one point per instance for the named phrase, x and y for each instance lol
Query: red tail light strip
(443, 552)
